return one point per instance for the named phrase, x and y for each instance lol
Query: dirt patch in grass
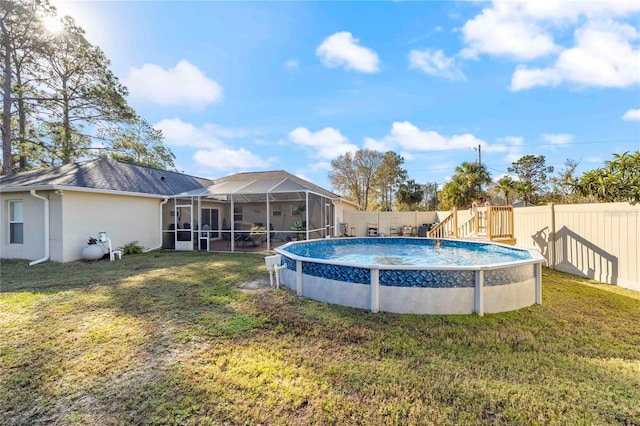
(258, 285)
(196, 338)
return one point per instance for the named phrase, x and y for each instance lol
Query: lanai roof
(271, 182)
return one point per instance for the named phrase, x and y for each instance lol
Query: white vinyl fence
(597, 241)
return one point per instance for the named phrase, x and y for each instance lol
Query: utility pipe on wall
(46, 229)
(161, 231)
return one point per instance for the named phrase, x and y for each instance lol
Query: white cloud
(604, 52)
(328, 142)
(524, 30)
(513, 157)
(303, 176)
(512, 145)
(632, 115)
(603, 56)
(562, 12)
(183, 85)
(409, 137)
(229, 159)
(292, 65)
(513, 140)
(211, 141)
(342, 49)
(525, 78)
(381, 145)
(320, 166)
(505, 29)
(180, 133)
(434, 62)
(557, 138)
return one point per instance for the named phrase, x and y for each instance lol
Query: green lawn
(179, 338)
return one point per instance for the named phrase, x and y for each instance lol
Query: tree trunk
(7, 158)
(22, 127)
(66, 135)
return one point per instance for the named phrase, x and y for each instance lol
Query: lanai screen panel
(320, 215)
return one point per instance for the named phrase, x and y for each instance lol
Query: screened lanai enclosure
(248, 215)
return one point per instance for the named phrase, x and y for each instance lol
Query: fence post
(454, 212)
(476, 218)
(512, 224)
(489, 222)
(552, 238)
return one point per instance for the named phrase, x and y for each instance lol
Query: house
(254, 210)
(50, 214)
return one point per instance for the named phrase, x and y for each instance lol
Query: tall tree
(58, 92)
(354, 174)
(136, 141)
(507, 186)
(466, 186)
(11, 13)
(409, 195)
(22, 39)
(619, 180)
(561, 187)
(390, 174)
(532, 177)
(5, 19)
(81, 90)
(30, 37)
(430, 200)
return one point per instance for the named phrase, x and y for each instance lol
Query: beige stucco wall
(385, 220)
(33, 219)
(598, 241)
(56, 230)
(123, 218)
(342, 211)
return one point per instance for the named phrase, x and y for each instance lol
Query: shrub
(132, 248)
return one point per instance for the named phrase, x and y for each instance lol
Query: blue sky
(249, 86)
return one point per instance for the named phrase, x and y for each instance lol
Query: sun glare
(52, 24)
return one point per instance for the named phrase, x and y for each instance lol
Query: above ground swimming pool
(414, 275)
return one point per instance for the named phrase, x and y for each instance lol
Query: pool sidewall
(510, 286)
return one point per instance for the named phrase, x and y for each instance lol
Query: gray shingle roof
(108, 174)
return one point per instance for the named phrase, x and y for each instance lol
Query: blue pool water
(407, 251)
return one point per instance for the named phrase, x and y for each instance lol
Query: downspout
(161, 234)
(46, 228)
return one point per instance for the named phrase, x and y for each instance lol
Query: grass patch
(172, 338)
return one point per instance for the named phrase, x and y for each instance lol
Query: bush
(132, 248)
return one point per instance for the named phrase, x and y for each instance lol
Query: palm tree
(505, 185)
(474, 176)
(466, 185)
(409, 194)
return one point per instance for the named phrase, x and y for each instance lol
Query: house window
(16, 222)
(237, 213)
(277, 211)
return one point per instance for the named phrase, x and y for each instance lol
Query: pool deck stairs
(487, 223)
